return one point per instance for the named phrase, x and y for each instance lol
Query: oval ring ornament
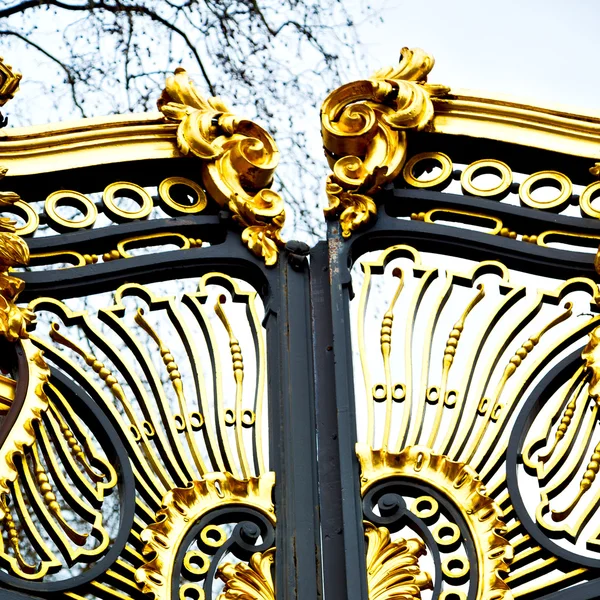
(129, 190)
(440, 158)
(90, 212)
(480, 167)
(535, 180)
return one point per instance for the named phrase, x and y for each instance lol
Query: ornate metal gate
(192, 408)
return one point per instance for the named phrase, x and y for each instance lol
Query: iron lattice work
(192, 409)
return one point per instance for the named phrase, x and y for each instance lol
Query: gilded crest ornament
(364, 126)
(239, 159)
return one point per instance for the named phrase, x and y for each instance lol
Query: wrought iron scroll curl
(239, 159)
(364, 126)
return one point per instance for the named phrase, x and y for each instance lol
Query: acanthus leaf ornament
(252, 581)
(393, 566)
(363, 124)
(239, 159)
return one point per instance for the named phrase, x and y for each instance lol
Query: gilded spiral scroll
(364, 126)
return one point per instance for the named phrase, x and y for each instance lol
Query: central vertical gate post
(340, 501)
(292, 430)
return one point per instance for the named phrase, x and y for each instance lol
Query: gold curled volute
(460, 484)
(239, 157)
(182, 508)
(14, 252)
(363, 125)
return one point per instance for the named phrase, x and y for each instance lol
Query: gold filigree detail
(9, 82)
(461, 485)
(364, 126)
(239, 159)
(252, 581)
(392, 567)
(182, 507)
(591, 357)
(14, 252)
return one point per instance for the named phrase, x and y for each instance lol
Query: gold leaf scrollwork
(239, 159)
(363, 125)
(253, 581)
(392, 567)
(182, 508)
(460, 484)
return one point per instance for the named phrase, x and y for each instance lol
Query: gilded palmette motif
(393, 566)
(364, 126)
(253, 580)
(239, 159)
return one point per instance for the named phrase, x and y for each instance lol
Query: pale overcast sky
(547, 51)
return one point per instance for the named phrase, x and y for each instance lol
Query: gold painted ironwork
(447, 438)
(239, 159)
(9, 82)
(182, 507)
(392, 567)
(462, 486)
(364, 126)
(253, 580)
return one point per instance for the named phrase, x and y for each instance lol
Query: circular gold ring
(248, 418)
(27, 213)
(191, 591)
(562, 182)
(164, 191)
(585, 200)
(484, 167)
(455, 567)
(439, 534)
(196, 420)
(424, 513)
(213, 536)
(191, 560)
(128, 190)
(77, 200)
(229, 417)
(443, 161)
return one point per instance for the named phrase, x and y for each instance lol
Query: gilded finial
(364, 126)
(239, 161)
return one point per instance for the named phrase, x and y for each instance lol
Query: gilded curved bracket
(461, 485)
(182, 508)
(239, 159)
(364, 126)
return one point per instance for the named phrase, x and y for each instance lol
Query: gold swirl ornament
(460, 484)
(364, 126)
(182, 508)
(239, 159)
(253, 580)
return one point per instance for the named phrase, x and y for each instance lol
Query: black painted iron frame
(312, 423)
